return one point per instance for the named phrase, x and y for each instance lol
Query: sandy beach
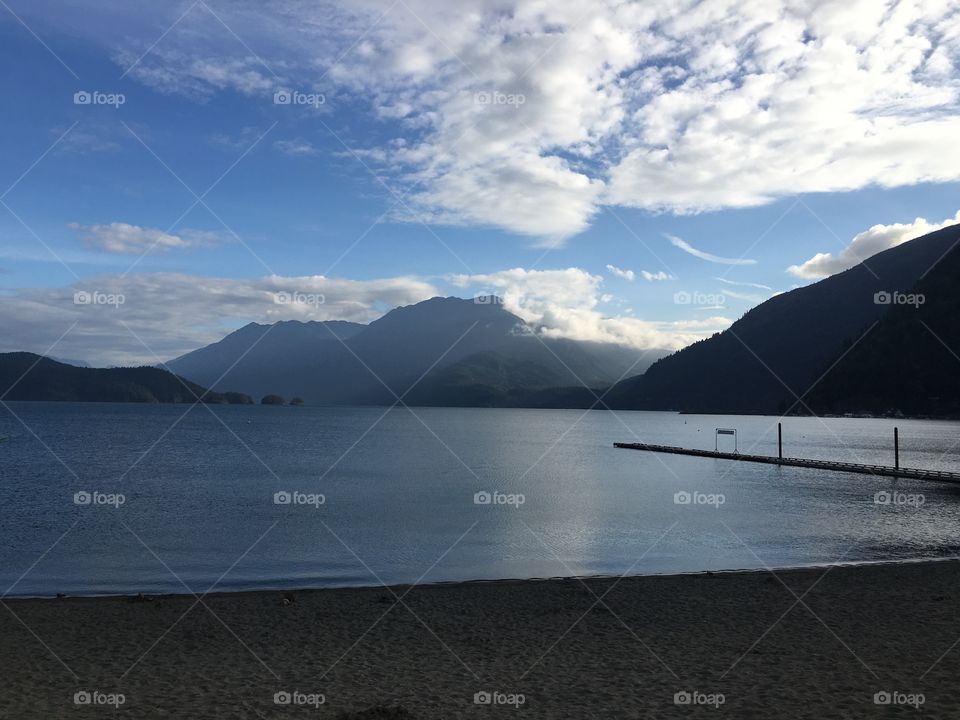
(809, 643)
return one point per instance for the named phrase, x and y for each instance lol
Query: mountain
(909, 363)
(25, 376)
(265, 359)
(780, 348)
(488, 379)
(447, 349)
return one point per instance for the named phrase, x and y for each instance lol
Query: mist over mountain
(445, 351)
(770, 359)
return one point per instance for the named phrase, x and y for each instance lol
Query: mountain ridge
(398, 352)
(28, 376)
(768, 360)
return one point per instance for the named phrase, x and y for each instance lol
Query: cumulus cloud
(709, 257)
(628, 275)
(531, 116)
(563, 304)
(869, 242)
(127, 239)
(174, 313)
(659, 276)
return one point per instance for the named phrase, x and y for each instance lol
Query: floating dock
(882, 470)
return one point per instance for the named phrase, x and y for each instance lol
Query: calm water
(398, 490)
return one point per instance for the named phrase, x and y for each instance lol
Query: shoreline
(830, 416)
(806, 642)
(490, 581)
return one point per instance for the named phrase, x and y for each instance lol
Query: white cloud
(124, 238)
(563, 304)
(659, 276)
(628, 275)
(665, 105)
(869, 242)
(174, 313)
(688, 248)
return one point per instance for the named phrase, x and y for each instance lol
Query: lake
(109, 498)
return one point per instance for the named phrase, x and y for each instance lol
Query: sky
(637, 173)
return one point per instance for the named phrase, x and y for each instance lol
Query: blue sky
(412, 177)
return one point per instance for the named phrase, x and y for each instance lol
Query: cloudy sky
(641, 173)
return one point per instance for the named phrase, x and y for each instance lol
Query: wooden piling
(896, 448)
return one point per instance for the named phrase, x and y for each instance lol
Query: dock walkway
(882, 470)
